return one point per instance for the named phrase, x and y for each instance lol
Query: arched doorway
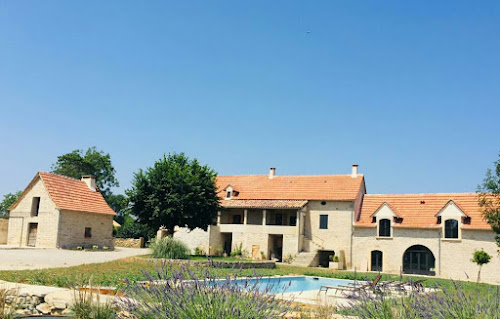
(376, 260)
(419, 260)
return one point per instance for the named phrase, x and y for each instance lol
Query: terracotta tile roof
(71, 194)
(263, 203)
(315, 187)
(422, 215)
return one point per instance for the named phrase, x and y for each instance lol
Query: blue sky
(409, 90)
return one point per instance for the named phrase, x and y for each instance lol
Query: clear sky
(409, 90)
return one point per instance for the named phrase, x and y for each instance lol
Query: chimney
(272, 172)
(90, 181)
(354, 173)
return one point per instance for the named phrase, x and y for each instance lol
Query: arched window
(384, 228)
(451, 228)
(419, 260)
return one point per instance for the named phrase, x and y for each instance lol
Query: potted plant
(334, 262)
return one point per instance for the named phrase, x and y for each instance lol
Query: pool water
(276, 285)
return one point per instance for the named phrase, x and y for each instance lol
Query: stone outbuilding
(56, 211)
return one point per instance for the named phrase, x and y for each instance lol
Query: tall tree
(90, 162)
(7, 201)
(489, 199)
(175, 191)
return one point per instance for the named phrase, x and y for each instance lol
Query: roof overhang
(263, 203)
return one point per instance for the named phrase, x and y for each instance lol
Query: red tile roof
(419, 210)
(316, 187)
(71, 194)
(263, 203)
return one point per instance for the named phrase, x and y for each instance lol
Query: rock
(43, 308)
(66, 312)
(60, 305)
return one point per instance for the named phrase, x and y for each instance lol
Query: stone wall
(47, 219)
(72, 229)
(4, 227)
(129, 242)
(196, 238)
(35, 303)
(453, 256)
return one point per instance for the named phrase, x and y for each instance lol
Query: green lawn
(115, 273)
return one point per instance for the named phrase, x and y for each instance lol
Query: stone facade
(447, 252)
(72, 229)
(4, 227)
(264, 235)
(21, 217)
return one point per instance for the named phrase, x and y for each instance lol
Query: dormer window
(451, 217)
(384, 228)
(451, 228)
(230, 192)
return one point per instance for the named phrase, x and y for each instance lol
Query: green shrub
(86, 306)
(169, 248)
(199, 251)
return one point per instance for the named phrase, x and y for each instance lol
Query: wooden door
(32, 234)
(256, 252)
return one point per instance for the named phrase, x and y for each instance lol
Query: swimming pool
(286, 284)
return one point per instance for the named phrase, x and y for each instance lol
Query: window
(293, 220)
(35, 206)
(323, 221)
(323, 203)
(228, 195)
(384, 228)
(88, 232)
(278, 219)
(451, 228)
(236, 219)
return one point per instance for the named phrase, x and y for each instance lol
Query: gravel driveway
(36, 258)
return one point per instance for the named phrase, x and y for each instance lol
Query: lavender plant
(445, 303)
(182, 294)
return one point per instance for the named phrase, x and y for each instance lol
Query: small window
(374, 220)
(35, 206)
(451, 228)
(228, 195)
(384, 228)
(293, 220)
(323, 221)
(278, 219)
(236, 219)
(323, 203)
(88, 232)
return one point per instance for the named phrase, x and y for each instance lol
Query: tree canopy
(90, 162)
(7, 201)
(176, 191)
(489, 199)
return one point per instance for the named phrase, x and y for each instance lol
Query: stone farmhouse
(56, 211)
(307, 219)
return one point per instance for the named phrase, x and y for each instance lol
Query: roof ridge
(277, 176)
(418, 194)
(60, 175)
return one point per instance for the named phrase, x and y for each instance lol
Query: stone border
(219, 264)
